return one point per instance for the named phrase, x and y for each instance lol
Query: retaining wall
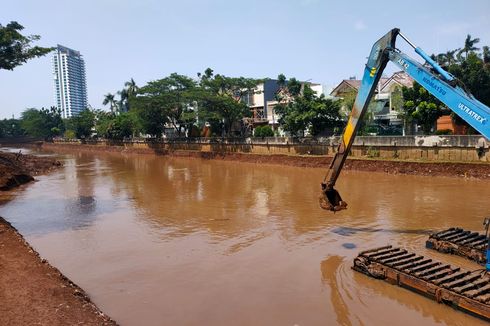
(425, 148)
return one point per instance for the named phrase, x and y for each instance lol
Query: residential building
(263, 101)
(257, 101)
(70, 87)
(385, 107)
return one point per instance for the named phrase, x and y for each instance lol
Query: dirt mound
(17, 168)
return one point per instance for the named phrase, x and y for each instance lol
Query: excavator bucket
(330, 199)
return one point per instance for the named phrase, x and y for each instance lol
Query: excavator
(440, 83)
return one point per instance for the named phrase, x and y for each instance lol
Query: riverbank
(35, 293)
(32, 292)
(366, 164)
(17, 168)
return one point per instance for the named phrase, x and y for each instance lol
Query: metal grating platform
(463, 289)
(471, 245)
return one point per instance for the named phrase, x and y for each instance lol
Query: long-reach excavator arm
(436, 80)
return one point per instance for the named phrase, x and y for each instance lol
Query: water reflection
(350, 231)
(69, 201)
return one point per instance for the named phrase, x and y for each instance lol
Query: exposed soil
(449, 169)
(32, 292)
(17, 168)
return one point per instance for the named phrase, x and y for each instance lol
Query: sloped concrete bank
(391, 166)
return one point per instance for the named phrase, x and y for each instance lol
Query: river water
(177, 241)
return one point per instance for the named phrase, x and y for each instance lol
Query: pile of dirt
(18, 168)
(32, 292)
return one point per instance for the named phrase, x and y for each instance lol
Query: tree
(103, 121)
(474, 75)
(427, 113)
(131, 87)
(123, 100)
(300, 109)
(469, 46)
(167, 100)
(44, 123)
(121, 127)
(15, 48)
(11, 128)
(419, 104)
(222, 100)
(82, 124)
(110, 99)
(263, 131)
(486, 54)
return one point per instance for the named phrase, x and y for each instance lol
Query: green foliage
(300, 109)
(111, 100)
(221, 100)
(263, 131)
(397, 99)
(168, 100)
(11, 128)
(44, 123)
(83, 124)
(421, 105)
(471, 68)
(70, 134)
(475, 75)
(427, 114)
(102, 122)
(15, 48)
(348, 100)
(123, 126)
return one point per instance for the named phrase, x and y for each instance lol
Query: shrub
(263, 131)
(69, 134)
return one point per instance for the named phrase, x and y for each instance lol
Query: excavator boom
(436, 80)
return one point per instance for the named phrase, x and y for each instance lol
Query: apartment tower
(70, 87)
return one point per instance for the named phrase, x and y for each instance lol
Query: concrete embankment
(461, 156)
(419, 148)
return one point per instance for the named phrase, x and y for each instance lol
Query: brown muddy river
(169, 241)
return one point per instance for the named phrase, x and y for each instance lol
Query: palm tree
(131, 87)
(110, 99)
(449, 57)
(486, 55)
(123, 102)
(469, 46)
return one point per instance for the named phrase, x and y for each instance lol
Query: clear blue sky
(325, 41)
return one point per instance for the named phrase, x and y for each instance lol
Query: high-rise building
(70, 87)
